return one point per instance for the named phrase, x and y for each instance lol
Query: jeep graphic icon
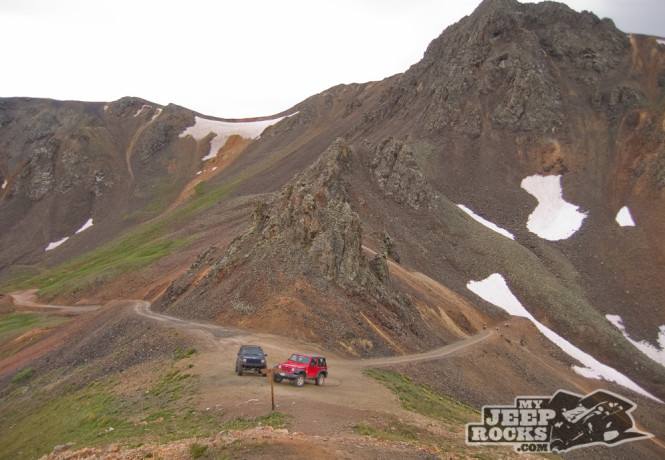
(300, 367)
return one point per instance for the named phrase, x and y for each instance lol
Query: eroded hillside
(361, 219)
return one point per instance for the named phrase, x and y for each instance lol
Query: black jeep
(250, 357)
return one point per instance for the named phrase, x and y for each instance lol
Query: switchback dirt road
(347, 398)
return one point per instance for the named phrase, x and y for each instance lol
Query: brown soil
(322, 418)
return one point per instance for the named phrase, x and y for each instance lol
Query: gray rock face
(387, 245)
(38, 177)
(397, 173)
(505, 60)
(313, 212)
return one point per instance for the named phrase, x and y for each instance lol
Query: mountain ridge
(329, 223)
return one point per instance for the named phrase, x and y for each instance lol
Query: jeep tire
(320, 379)
(300, 380)
(277, 378)
(239, 369)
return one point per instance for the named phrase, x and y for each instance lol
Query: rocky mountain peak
(507, 60)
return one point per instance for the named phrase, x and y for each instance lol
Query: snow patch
(157, 112)
(55, 244)
(4, 184)
(495, 290)
(624, 218)
(656, 353)
(225, 129)
(487, 223)
(85, 226)
(554, 218)
(138, 112)
(661, 41)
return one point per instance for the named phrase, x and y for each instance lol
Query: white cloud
(230, 59)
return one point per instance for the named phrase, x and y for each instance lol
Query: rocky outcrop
(311, 214)
(397, 173)
(306, 234)
(37, 178)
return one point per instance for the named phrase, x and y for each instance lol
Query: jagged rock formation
(307, 234)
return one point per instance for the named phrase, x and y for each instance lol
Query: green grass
(425, 400)
(196, 450)
(13, 322)
(180, 354)
(442, 409)
(13, 325)
(273, 419)
(124, 255)
(23, 375)
(395, 431)
(449, 417)
(130, 252)
(35, 419)
(102, 413)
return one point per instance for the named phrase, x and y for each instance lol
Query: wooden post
(271, 372)
(272, 389)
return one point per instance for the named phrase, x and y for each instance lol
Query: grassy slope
(160, 410)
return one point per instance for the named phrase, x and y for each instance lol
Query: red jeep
(300, 367)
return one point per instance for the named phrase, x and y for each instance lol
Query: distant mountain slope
(542, 121)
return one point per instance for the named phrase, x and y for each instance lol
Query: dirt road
(320, 417)
(27, 299)
(347, 397)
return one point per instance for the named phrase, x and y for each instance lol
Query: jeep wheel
(277, 378)
(239, 370)
(300, 380)
(320, 379)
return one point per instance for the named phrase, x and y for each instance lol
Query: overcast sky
(236, 58)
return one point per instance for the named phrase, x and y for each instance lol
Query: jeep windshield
(299, 359)
(253, 351)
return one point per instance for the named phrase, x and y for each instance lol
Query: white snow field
(554, 218)
(487, 223)
(495, 290)
(624, 218)
(55, 244)
(88, 224)
(656, 353)
(225, 129)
